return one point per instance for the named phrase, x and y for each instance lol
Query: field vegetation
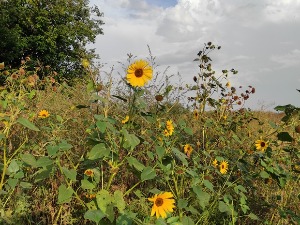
(143, 149)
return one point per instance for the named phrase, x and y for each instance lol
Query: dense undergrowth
(140, 151)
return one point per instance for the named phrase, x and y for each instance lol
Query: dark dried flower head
(159, 98)
(253, 90)
(195, 78)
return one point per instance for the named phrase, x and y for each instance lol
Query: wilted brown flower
(14, 76)
(21, 71)
(159, 98)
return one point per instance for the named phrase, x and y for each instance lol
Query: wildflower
(89, 172)
(31, 80)
(125, 120)
(261, 145)
(90, 196)
(85, 63)
(228, 84)
(215, 163)
(139, 73)
(14, 76)
(159, 98)
(169, 128)
(43, 114)
(196, 114)
(223, 167)
(167, 133)
(188, 149)
(162, 204)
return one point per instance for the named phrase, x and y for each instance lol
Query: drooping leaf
(119, 201)
(284, 136)
(94, 215)
(148, 173)
(26, 123)
(135, 163)
(98, 151)
(28, 159)
(64, 194)
(70, 174)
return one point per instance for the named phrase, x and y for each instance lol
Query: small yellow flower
(162, 204)
(90, 196)
(125, 120)
(85, 63)
(261, 145)
(228, 84)
(43, 114)
(215, 163)
(223, 167)
(188, 149)
(89, 172)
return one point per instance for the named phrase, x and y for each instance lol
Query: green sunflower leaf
(27, 123)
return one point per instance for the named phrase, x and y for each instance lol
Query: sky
(259, 38)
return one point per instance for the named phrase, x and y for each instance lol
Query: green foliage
(97, 158)
(54, 33)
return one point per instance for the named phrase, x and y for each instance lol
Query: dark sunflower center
(138, 73)
(159, 202)
(262, 144)
(223, 166)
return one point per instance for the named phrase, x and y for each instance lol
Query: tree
(53, 32)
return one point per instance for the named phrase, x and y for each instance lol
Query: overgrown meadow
(143, 149)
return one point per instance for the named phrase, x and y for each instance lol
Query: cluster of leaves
(101, 159)
(53, 32)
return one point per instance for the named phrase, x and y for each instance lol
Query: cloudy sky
(259, 38)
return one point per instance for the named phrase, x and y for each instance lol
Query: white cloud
(289, 59)
(259, 38)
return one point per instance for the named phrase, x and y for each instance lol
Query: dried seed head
(159, 98)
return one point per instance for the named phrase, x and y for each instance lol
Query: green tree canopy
(54, 32)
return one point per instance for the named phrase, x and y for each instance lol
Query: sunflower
(139, 73)
(125, 120)
(85, 63)
(215, 163)
(261, 145)
(196, 114)
(188, 149)
(223, 167)
(43, 114)
(89, 172)
(169, 128)
(162, 204)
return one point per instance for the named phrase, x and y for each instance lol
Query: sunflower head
(89, 172)
(223, 167)
(139, 73)
(43, 114)
(188, 149)
(261, 145)
(162, 204)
